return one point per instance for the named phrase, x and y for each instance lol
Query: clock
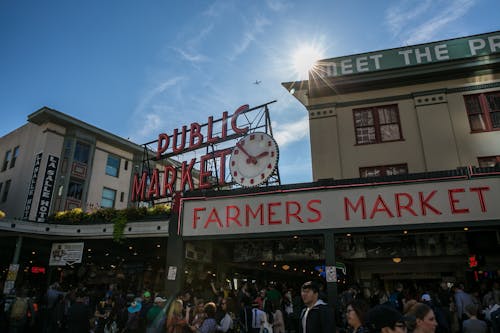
(254, 159)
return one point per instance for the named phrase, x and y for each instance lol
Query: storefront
(378, 232)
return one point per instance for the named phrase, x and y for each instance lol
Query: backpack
(19, 309)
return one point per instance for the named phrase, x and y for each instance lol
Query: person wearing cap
(317, 316)
(147, 304)
(155, 317)
(386, 319)
(133, 319)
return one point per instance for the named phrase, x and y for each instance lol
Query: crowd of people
(256, 307)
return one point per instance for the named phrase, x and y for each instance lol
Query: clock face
(254, 159)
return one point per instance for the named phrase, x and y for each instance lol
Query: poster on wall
(49, 181)
(32, 186)
(63, 254)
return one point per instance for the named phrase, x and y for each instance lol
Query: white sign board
(333, 208)
(172, 273)
(66, 254)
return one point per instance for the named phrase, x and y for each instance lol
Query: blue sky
(138, 68)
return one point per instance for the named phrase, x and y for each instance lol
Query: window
(122, 196)
(483, 111)
(14, 157)
(126, 165)
(82, 153)
(6, 191)
(108, 198)
(489, 161)
(6, 160)
(383, 170)
(75, 190)
(377, 124)
(113, 165)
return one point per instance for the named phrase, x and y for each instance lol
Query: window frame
(81, 184)
(78, 153)
(15, 154)
(103, 198)
(6, 189)
(483, 159)
(485, 113)
(383, 170)
(377, 124)
(109, 167)
(6, 159)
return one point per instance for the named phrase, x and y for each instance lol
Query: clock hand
(265, 153)
(250, 159)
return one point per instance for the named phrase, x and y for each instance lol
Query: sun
(304, 59)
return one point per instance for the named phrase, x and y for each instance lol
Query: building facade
(415, 109)
(57, 163)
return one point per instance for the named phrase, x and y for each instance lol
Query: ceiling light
(397, 260)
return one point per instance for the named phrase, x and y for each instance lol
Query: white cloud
(191, 57)
(152, 116)
(256, 27)
(291, 132)
(278, 5)
(421, 23)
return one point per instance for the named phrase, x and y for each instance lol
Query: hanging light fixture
(397, 260)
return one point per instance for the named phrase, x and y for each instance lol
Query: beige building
(56, 162)
(420, 108)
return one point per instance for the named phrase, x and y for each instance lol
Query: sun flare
(304, 59)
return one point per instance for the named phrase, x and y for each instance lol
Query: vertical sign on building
(47, 189)
(31, 188)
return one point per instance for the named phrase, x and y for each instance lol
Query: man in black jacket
(317, 316)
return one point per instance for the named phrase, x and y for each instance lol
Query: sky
(139, 68)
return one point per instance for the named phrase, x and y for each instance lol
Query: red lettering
(479, 191)
(424, 205)
(230, 217)
(454, 201)
(222, 167)
(154, 188)
(272, 212)
(195, 135)
(196, 217)
(295, 213)
(407, 206)
(348, 204)
(187, 175)
(213, 217)
(234, 120)
(169, 179)
(163, 142)
(210, 129)
(314, 210)
(225, 115)
(250, 213)
(380, 206)
(139, 188)
(176, 149)
(204, 174)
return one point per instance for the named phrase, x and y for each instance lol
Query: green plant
(119, 224)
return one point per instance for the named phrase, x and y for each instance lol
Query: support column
(175, 259)
(17, 252)
(331, 286)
